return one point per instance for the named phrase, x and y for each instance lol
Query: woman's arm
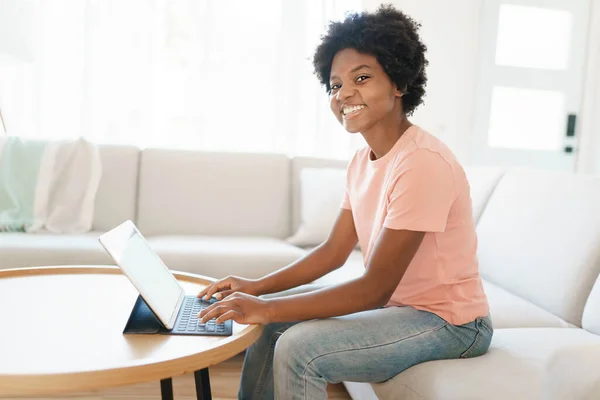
(391, 257)
(328, 256)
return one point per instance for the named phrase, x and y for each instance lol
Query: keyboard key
(210, 328)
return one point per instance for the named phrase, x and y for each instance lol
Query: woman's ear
(398, 92)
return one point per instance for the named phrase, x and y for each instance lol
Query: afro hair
(390, 36)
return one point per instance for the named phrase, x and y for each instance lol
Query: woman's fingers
(223, 294)
(203, 292)
(208, 292)
(231, 314)
(212, 312)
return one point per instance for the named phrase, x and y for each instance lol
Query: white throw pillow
(321, 194)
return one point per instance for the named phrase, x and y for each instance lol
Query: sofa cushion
(217, 194)
(510, 311)
(591, 313)
(298, 165)
(483, 181)
(506, 309)
(46, 249)
(573, 374)
(513, 368)
(217, 257)
(321, 194)
(314, 177)
(360, 391)
(539, 238)
(117, 193)
(353, 268)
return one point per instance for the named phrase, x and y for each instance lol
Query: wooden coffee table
(62, 331)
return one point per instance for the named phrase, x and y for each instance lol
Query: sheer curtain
(212, 75)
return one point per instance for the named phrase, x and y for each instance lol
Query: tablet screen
(145, 270)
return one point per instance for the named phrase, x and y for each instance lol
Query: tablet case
(143, 320)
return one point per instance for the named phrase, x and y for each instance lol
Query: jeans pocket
(486, 323)
(483, 337)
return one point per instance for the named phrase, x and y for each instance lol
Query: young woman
(407, 204)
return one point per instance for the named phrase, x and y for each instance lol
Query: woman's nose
(345, 92)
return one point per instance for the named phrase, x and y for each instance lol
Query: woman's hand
(240, 307)
(229, 285)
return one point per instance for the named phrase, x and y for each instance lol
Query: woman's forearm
(320, 261)
(345, 298)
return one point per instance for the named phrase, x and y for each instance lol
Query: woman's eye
(334, 87)
(362, 78)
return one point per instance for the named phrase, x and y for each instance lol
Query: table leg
(166, 389)
(202, 384)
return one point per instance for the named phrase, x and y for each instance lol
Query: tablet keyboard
(188, 322)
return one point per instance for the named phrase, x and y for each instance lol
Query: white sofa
(229, 213)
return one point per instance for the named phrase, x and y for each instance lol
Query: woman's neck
(382, 137)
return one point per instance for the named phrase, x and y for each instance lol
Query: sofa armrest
(573, 373)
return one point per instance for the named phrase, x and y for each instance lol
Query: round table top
(62, 331)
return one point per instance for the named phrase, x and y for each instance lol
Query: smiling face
(362, 95)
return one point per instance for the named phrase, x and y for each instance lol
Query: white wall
(450, 30)
(589, 125)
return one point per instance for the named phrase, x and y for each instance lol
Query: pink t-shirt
(420, 186)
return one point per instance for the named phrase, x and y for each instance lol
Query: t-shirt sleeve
(422, 193)
(346, 198)
(346, 201)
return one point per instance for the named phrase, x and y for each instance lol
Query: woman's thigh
(376, 345)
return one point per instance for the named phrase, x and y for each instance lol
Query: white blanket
(48, 186)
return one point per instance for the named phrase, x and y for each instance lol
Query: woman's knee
(298, 345)
(270, 335)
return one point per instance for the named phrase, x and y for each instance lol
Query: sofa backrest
(591, 312)
(483, 181)
(539, 237)
(298, 164)
(116, 198)
(212, 193)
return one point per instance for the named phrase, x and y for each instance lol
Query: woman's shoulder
(425, 150)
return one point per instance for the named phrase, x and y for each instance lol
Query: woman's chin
(352, 128)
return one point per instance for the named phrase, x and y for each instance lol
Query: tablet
(146, 271)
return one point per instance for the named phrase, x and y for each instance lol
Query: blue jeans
(296, 360)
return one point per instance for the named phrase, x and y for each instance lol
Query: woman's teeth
(351, 109)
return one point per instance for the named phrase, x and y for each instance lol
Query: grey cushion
(48, 249)
(217, 257)
(117, 193)
(217, 194)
